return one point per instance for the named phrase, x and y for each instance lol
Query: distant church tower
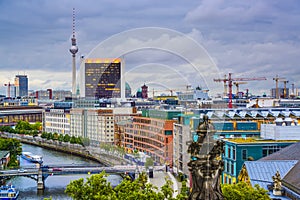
(144, 91)
(73, 50)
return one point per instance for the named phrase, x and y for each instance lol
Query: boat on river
(8, 192)
(32, 158)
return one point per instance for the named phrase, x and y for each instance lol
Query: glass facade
(21, 84)
(103, 80)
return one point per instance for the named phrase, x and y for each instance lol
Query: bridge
(41, 172)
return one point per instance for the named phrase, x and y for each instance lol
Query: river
(54, 185)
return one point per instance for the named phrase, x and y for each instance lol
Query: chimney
(278, 122)
(288, 121)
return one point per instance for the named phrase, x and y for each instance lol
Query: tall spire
(73, 26)
(73, 50)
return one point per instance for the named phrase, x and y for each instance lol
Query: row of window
(146, 134)
(229, 167)
(149, 121)
(231, 152)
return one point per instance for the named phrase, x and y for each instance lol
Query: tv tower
(73, 50)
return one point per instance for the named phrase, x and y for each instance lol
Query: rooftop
(256, 140)
(292, 178)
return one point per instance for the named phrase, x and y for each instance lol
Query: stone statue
(204, 166)
(277, 184)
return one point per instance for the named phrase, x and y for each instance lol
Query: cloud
(247, 38)
(173, 56)
(250, 39)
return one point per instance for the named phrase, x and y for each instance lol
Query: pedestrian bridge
(41, 172)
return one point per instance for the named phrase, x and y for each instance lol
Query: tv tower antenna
(73, 50)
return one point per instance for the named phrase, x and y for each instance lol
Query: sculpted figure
(204, 167)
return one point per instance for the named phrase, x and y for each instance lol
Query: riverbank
(96, 154)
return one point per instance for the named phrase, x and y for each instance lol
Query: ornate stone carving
(277, 186)
(205, 166)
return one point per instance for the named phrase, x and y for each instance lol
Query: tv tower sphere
(74, 49)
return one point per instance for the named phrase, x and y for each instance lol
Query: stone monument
(277, 185)
(205, 165)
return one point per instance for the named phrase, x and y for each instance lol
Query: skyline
(248, 39)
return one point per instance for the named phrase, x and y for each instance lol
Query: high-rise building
(21, 85)
(103, 78)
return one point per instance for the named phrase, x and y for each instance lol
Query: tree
(149, 162)
(79, 140)
(23, 125)
(44, 135)
(49, 136)
(61, 137)
(55, 136)
(184, 192)
(96, 187)
(73, 140)
(243, 191)
(67, 138)
(37, 126)
(14, 147)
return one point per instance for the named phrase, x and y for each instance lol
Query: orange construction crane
(8, 88)
(237, 86)
(230, 80)
(276, 79)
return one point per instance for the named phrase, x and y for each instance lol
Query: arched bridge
(40, 173)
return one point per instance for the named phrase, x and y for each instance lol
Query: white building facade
(98, 124)
(56, 121)
(181, 135)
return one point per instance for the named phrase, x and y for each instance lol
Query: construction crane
(8, 85)
(188, 88)
(170, 90)
(230, 80)
(293, 90)
(225, 86)
(237, 86)
(276, 79)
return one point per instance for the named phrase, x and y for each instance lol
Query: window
(229, 152)
(228, 169)
(244, 154)
(232, 168)
(267, 150)
(233, 153)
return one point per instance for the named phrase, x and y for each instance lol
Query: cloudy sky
(166, 44)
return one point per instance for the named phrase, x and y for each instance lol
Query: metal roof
(289, 153)
(261, 172)
(245, 114)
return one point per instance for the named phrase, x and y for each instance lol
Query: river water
(54, 185)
